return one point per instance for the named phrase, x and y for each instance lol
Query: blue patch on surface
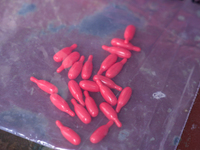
(109, 20)
(176, 140)
(27, 8)
(25, 120)
(54, 29)
(123, 135)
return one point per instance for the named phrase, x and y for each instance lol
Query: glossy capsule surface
(107, 63)
(69, 61)
(115, 69)
(124, 97)
(106, 93)
(61, 104)
(121, 52)
(91, 105)
(63, 53)
(69, 134)
(81, 112)
(110, 113)
(45, 85)
(76, 68)
(76, 92)
(89, 85)
(87, 68)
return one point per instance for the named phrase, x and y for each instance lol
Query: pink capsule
(107, 82)
(91, 105)
(63, 53)
(115, 69)
(101, 132)
(123, 98)
(87, 68)
(69, 134)
(89, 85)
(45, 85)
(110, 113)
(61, 104)
(129, 33)
(120, 43)
(76, 92)
(76, 68)
(107, 63)
(121, 52)
(69, 61)
(107, 94)
(81, 112)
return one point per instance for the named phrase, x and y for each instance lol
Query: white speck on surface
(152, 139)
(198, 13)
(194, 126)
(55, 49)
(197, 38)
(181, 18)
(158, 95)
(148, 71)
(153, 6)
(169, 110)
(32, 89)
(44, 52)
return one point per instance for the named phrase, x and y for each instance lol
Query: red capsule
(107, 63)
(69, 61)
(76, 92)
(89, 86)
(120, 43)
(108, 82)
(107, 94)
(91, 105)
(69, 134)
(87, 68)
(115, 69)
(123, 98)
(100, 133)
(129, 33)
(63, 53)
(76, 68)
(110, 113)
(45, 85)
(121, 52)
(81, 112)
(61, 104)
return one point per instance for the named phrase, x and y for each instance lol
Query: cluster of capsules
(103, 84)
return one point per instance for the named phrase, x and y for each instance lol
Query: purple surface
(164, 76)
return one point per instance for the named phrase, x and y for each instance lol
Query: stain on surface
(55, 29)
(34, 124)
(123, 135)
(158, 95)
(152, 139)
(176, 140)
(198, 13)
(169, 110)
(197, 38)
(181, 18)
(148, 71)
(27, 8)
(109, 20)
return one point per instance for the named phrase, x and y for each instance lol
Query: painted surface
(164, 76)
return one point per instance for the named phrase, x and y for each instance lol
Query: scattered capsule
(45, 85)
(87, 68)
(69, 134)
(115, 69)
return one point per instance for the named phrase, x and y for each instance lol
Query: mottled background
(164, 76)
